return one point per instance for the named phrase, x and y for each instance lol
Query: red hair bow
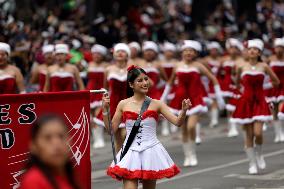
(132, 67)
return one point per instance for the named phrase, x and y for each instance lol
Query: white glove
(166, 92)
(267, 85)
(219, 98)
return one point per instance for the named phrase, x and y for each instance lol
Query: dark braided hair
(35, 161)
(132, 73)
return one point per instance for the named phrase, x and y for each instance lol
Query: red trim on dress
(133, 115)
(122, 173)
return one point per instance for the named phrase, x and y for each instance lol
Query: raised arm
(176, 120)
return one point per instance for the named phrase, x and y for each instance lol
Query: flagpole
(109, 126)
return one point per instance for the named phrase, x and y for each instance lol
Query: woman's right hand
(105, 101)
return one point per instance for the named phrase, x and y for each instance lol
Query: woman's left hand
(186, 104)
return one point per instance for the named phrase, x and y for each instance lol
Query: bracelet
(105, 113)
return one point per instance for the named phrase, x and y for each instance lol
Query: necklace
(253, 67)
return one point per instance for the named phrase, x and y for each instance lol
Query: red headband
(132, 67)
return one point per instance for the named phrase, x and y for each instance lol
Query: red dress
(168, 67)
(95, 82)
(117, 92)
(41, 79)
(7, 84)
(35, 179)
(189, 86)
(226, 81)
(61, 81)
(216, 70)
(154, 74)
(252, 105)
(276, 94)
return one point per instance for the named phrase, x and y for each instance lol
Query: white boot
(259, 157)
(277, 131)
(185, 147)
(198, 135)
(233, 131)
(252, 161)
(214, 118)
(99, 141)
(265, 126)
(165, 127)
(173, 128)
(192, 154)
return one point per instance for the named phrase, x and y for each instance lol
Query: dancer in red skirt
(252, 110)
(135, 50)
(168, 63)
(95, 75)
(228, 74)
(146, 160)
(38, 75)
(188, 73)
(11, 78)
(62, 76)
(214, 63)
(153, 68)
(116, 83)
(276, 62)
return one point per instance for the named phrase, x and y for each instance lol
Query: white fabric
(61, 74)
(220, 101)
(99, 49)
(61, 48)
(135, 45)
(167, 46)
(122, 47)
(5, 47)
(261, 118)
(256, 43)
(232, 42)
(214, 45)
(47, 49)
(150, 45)
(192, 45)
(166, 92)
(279, 42)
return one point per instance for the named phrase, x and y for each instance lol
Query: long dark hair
(35, 161)
(132, 74)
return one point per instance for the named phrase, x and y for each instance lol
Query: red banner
(18, 112)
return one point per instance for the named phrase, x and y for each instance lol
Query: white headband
(135, 45)
(167, 46)
(192, 45)
(5, 47)
(47, 49)
(256, 43)
(231, 42)
(61, 48)
(122, 47)
(99, 49)
(150, 45)
(279, 42)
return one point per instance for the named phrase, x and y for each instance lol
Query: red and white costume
(168, 67)
(42, 79)
(226, 83)
(95, 82)
(216, 70)
(146, 158)
(154, 74)
(7, 84)
(189, 86)
(61, 81)
(252, 105)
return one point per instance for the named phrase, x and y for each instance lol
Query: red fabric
(154, 92)
(279, 90)
(116, 172)
(73, 106)
(252, 102)
(8, 86)
(61, 84)
(189, 86)
(34, 179)
(95, 82)
(133, 115)
(118, 92)
(41, 78)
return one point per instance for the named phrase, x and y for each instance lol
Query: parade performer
(95, 76)
(38, 75)
(227, 82)
(115, 82)
(188, 73)
(62, 76)
(135, 50)
(145, 160)
(252, 109)
(213, 60)
(276, 94)
(11, 78)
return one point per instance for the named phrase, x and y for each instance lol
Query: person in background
(11, 78)
(39, 72)
(49, 165)
(135, 49)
